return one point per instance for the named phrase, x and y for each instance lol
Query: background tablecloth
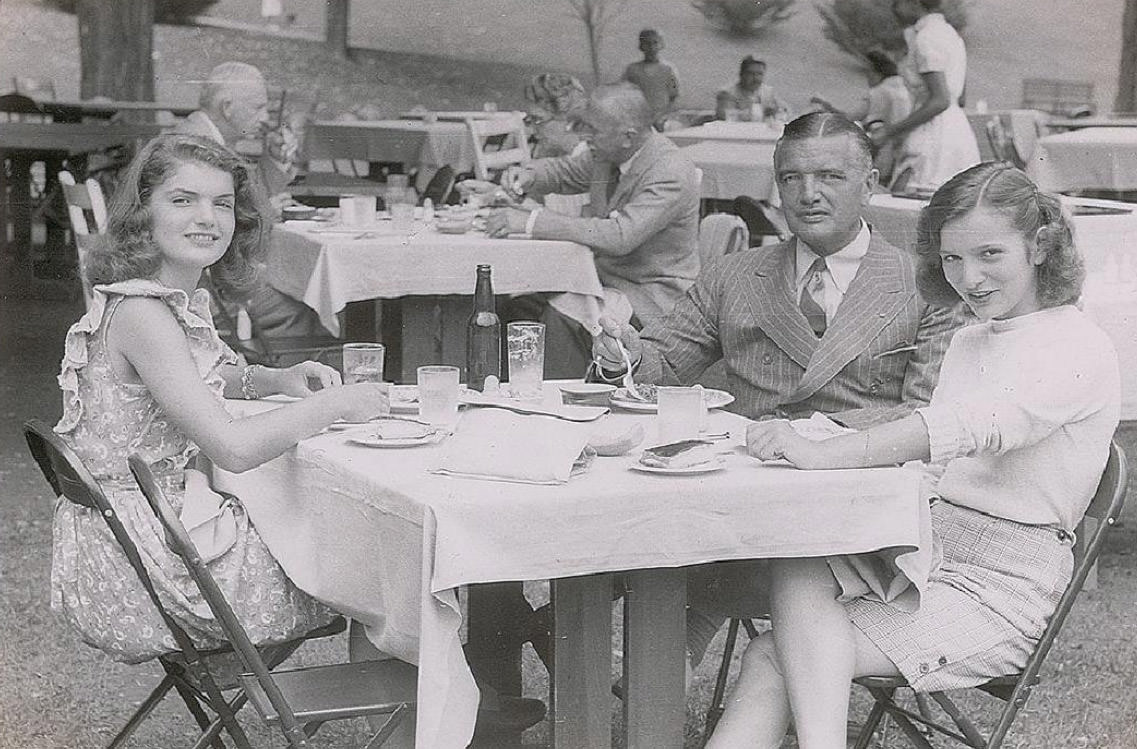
(719, 130)
(409, 141)
(373, 534)
(328, 270)
(731, 169)
(1097, 158)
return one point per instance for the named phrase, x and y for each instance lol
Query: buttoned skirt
(986, 605)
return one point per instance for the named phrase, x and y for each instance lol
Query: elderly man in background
(642, 225)
(829, 322)
(751, 99)
(234, 107)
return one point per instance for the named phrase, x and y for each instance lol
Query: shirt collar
(928, 19)
(842, 264)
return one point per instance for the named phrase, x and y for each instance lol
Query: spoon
(629, 383)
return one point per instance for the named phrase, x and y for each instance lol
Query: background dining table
(1094, 158)
(432, 275)
(376, 535)
(720, 130)
(412, 142)
(732, 168)
(1106, 234)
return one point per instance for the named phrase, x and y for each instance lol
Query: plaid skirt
(986, 604)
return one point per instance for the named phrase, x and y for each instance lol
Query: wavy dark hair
(1038, 215)
(128, 250)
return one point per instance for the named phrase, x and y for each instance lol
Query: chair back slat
(507, 132)
(721, 234)
(84, 199)
(179, 542)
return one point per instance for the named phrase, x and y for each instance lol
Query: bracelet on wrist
(248, 387)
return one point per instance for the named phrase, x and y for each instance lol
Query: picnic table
(374, 533)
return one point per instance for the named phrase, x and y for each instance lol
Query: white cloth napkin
(587, 310)
(499, 445)
(208, 517)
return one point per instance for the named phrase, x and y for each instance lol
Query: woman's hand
(771, 440)
(363, 401)
(295, 380)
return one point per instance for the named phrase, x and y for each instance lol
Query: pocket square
(897, 350)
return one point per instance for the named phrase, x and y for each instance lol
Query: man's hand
(282, 145)
(776, 439)
(606, 345)
(879, 135)
(505, 221)
(516, 180)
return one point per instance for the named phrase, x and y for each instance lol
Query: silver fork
(629, 383)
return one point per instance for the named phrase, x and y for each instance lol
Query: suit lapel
(773, 305)
(877, 294)
(626, 182)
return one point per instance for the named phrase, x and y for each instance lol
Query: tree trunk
(1127, 74)
(116, 42)
(335, 26)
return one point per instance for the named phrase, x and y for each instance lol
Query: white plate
(586, 388)
(714, 398)
(714, 465)
(372, 440)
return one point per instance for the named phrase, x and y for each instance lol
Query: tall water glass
(438, 395)
(525, 343)
(681, 413)
(363, 362)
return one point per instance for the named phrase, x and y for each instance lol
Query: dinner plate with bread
(684, 457)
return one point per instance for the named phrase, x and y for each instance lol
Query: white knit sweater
(1021, 419)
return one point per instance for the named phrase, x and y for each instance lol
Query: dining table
(721, 130)
(382, 536)
(1094, 158)
(430, 277)
(415, 143)
(455, 115)
(733, 168)
(62, 110)
(1105, 232)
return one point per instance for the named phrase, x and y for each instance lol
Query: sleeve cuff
(532, 220)
(944, 434)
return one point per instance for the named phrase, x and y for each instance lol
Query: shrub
(744, 17)
(165, 11)
(858, 26)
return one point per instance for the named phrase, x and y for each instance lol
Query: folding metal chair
(195, 673)
(298, 700)
(1012, 690)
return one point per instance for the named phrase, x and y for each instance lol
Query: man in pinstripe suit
(862, 348)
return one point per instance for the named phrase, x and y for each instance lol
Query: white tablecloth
(328, 270)
(1097, 158)
(373, 534)
(719, 130)
(1109, 245)
(731, 169)
(409, 141)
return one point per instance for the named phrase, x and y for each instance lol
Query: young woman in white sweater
(1015, 437)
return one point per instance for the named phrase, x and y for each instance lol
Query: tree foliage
(745, 17)
(165, 11)
(859, 26)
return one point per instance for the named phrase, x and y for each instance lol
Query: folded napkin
(208, 517)
(499, 445)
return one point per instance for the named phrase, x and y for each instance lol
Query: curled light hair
(1038, 215)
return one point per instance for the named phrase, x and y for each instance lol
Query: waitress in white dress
(935, 141)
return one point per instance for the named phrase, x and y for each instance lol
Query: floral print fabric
(105, 420)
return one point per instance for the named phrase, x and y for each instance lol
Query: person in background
(553, 98)
(144, 372)
(829, 322)
(234, 107)
(643, 224)
(888, 101)
(655, 77)
(751, 99)
(1015, 439)
(935, 141)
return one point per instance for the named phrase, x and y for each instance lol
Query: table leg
(655, 630)
(582, 673)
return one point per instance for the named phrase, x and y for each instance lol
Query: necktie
(605, 177)
(813, 297)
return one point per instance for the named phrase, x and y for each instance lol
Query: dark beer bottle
(483, 335)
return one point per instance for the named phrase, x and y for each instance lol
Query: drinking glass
(438, 395)
(525, 343)
(402, 217)
(681, 413)
(362, 362)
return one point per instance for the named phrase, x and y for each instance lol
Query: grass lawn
(56, 693)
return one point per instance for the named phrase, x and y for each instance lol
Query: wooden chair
(497, 143)
(1012, 690)
(721, 234)
(196, 674)
(271, 351)
(83, 200)
(298, 700)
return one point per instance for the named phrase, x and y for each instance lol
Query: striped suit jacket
(879, 358)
